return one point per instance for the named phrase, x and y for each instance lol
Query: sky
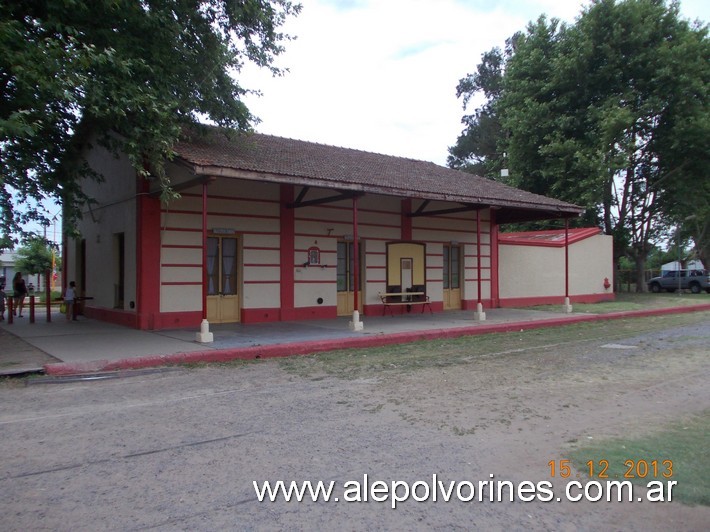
(381, 75)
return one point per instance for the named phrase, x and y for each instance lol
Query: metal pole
(48, 292)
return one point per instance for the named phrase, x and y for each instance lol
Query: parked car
(672, 280)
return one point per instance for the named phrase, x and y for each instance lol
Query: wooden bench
(399, 299)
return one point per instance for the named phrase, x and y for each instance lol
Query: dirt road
(180, 449)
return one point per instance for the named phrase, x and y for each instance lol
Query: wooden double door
(452, 277)
(346, 279)
(223, 284)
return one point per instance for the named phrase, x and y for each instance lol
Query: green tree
(130, 74)
(35, 257)
(476, 149)
(601, 113)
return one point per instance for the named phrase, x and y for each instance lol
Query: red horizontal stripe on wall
(316, 236)
(221, 197)
(323, 220)
(181, 265)
(315, 282)
(378, 239)
(178, 246)
(260, 248)
(322, 251)
(446, 230)
(349, 209)
(262, 282)
(256, 265)
(182, 229)
(347, 222)
(182, 283)
(445, 242)
(470, 220)
(238, 215)
(391, 226)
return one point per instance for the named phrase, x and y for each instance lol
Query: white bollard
(479, 315)
(567, 307)
(204, 336)
(356, 324)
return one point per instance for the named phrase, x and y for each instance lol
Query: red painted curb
(319, 346)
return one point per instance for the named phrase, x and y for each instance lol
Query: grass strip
(684, 443)
(362, 363)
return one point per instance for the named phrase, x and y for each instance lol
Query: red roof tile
(550, 238)
(280, 159)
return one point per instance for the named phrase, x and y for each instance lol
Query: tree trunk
(640, 272)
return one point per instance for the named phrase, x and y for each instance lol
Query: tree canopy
(128, 73)
(35, 256)
(610, 112)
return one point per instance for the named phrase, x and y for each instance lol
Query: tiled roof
(280, 159)
(550, 238)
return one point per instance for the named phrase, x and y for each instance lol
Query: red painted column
(566, 257)
(48, 295)
(287, 252)
(356, 257)
(406, 231)
(478, 251)
(147, 258)
(204, 250)
(65, 260)
(495, 290)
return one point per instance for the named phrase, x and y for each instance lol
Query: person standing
(69, 298)
(18, 285)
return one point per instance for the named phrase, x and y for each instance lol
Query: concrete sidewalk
(86, 345)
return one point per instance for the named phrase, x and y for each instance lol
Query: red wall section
(147, 261)
(288, 224)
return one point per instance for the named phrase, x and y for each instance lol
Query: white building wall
(113, 212)
(248, 210)
(538, 271)
(457, 228)
(591, 262)
(530, 271)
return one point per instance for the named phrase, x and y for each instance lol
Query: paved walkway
(63, 347)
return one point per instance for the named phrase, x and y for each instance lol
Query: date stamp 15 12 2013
(633, 469)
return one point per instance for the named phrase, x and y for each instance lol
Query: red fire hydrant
(607, 284)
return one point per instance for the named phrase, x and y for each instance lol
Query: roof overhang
(507, 211)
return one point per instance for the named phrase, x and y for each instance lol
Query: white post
(567, 307)
(356, 325)
(479, 315)
(204, 336)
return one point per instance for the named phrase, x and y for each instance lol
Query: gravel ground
(178, 449)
